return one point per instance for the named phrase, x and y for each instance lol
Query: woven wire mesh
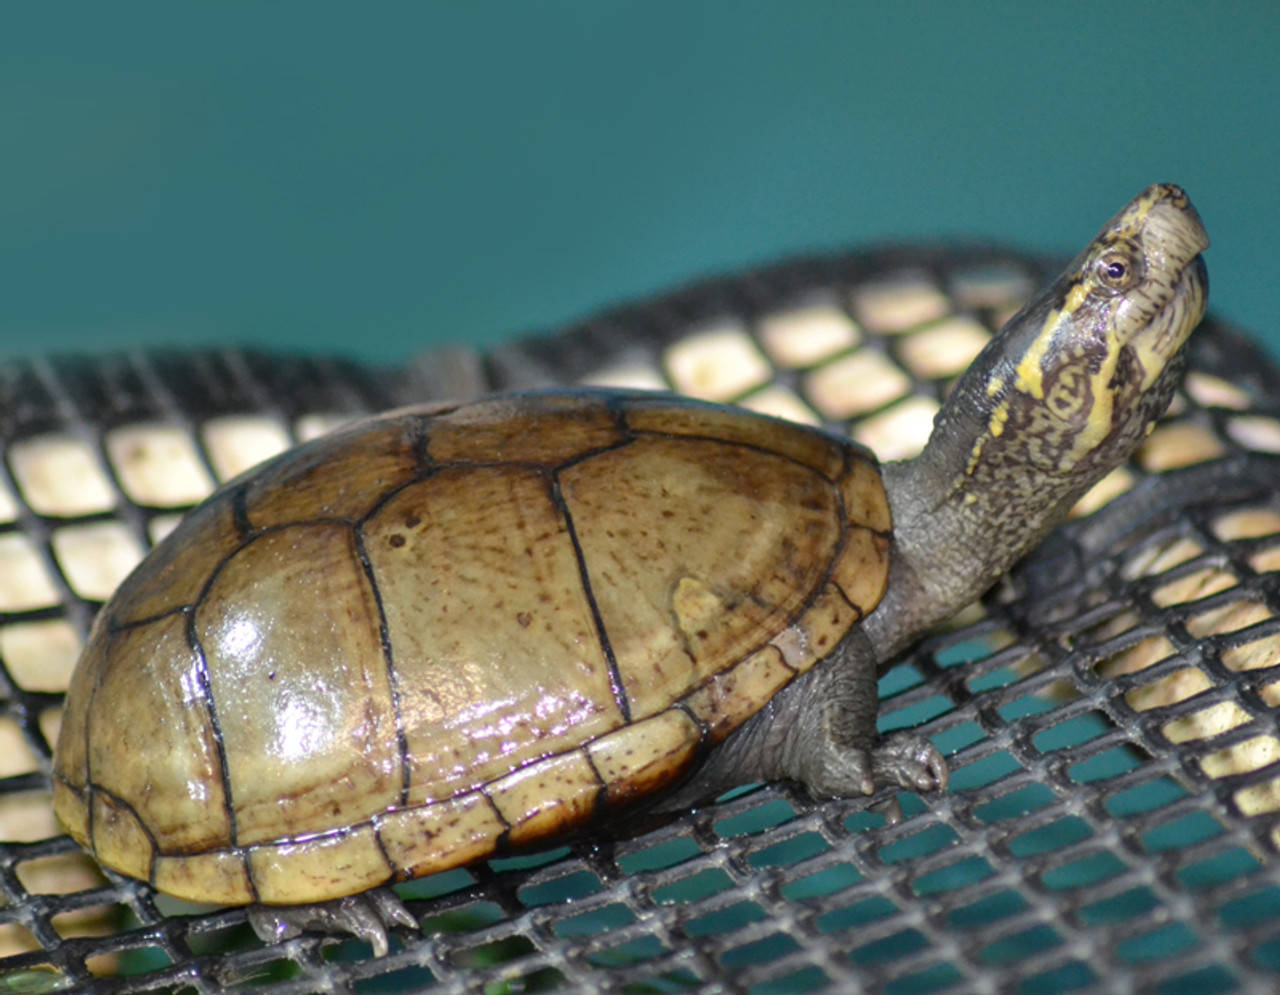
(1108, 713)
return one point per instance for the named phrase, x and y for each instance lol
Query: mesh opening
(1108, 711)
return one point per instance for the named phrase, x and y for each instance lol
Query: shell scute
(697, 551)
(176, 793)
(496, 652)
(290, 631)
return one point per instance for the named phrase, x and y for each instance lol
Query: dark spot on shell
(396, 540)
(412, 521)
(524, 618)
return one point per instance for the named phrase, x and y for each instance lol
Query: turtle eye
(1118, 268)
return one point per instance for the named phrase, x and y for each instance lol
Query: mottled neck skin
(1064, 394)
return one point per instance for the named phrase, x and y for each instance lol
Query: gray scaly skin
(1065, 393)
(1062, 395)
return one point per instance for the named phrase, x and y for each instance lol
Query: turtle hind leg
(366, 916)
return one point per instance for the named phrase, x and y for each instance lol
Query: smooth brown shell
(439, 634)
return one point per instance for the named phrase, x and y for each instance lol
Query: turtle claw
(891, 809)
(366, 916)
(904, 761)
(911, 762)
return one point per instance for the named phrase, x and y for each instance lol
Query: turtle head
(1063, 394)
(1077, 378)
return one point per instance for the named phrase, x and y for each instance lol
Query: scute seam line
(388, 659)
(240, 521)
(215, 727)
(843, 444)
(611, 659)
(502, 843)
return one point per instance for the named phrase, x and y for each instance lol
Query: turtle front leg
(825, 732)
(820, 730)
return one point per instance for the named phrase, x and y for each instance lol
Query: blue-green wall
(370, 177)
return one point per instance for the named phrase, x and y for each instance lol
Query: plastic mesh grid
(1109, 714)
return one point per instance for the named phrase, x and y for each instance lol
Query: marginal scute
(118, 837)
(434, 837)
(318, 868)
(672, 416)
(72, 755)
(817, 632)
(546, 797)
(171, 577)
(865, 501)
(72, 811)
(200, 877)
(862, 569)
(642, 758)
(340, 476)
(725, 701)
(495, 431)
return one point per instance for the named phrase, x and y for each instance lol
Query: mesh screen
(1108, 712)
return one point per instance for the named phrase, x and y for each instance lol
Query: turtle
(452, 631)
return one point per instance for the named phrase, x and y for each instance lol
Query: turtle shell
(442, 633)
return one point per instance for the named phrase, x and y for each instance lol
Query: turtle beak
(1173, 234)
(1157, 319)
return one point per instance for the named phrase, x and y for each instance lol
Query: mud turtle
(442, 633)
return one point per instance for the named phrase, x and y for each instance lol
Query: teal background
(372, 178)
